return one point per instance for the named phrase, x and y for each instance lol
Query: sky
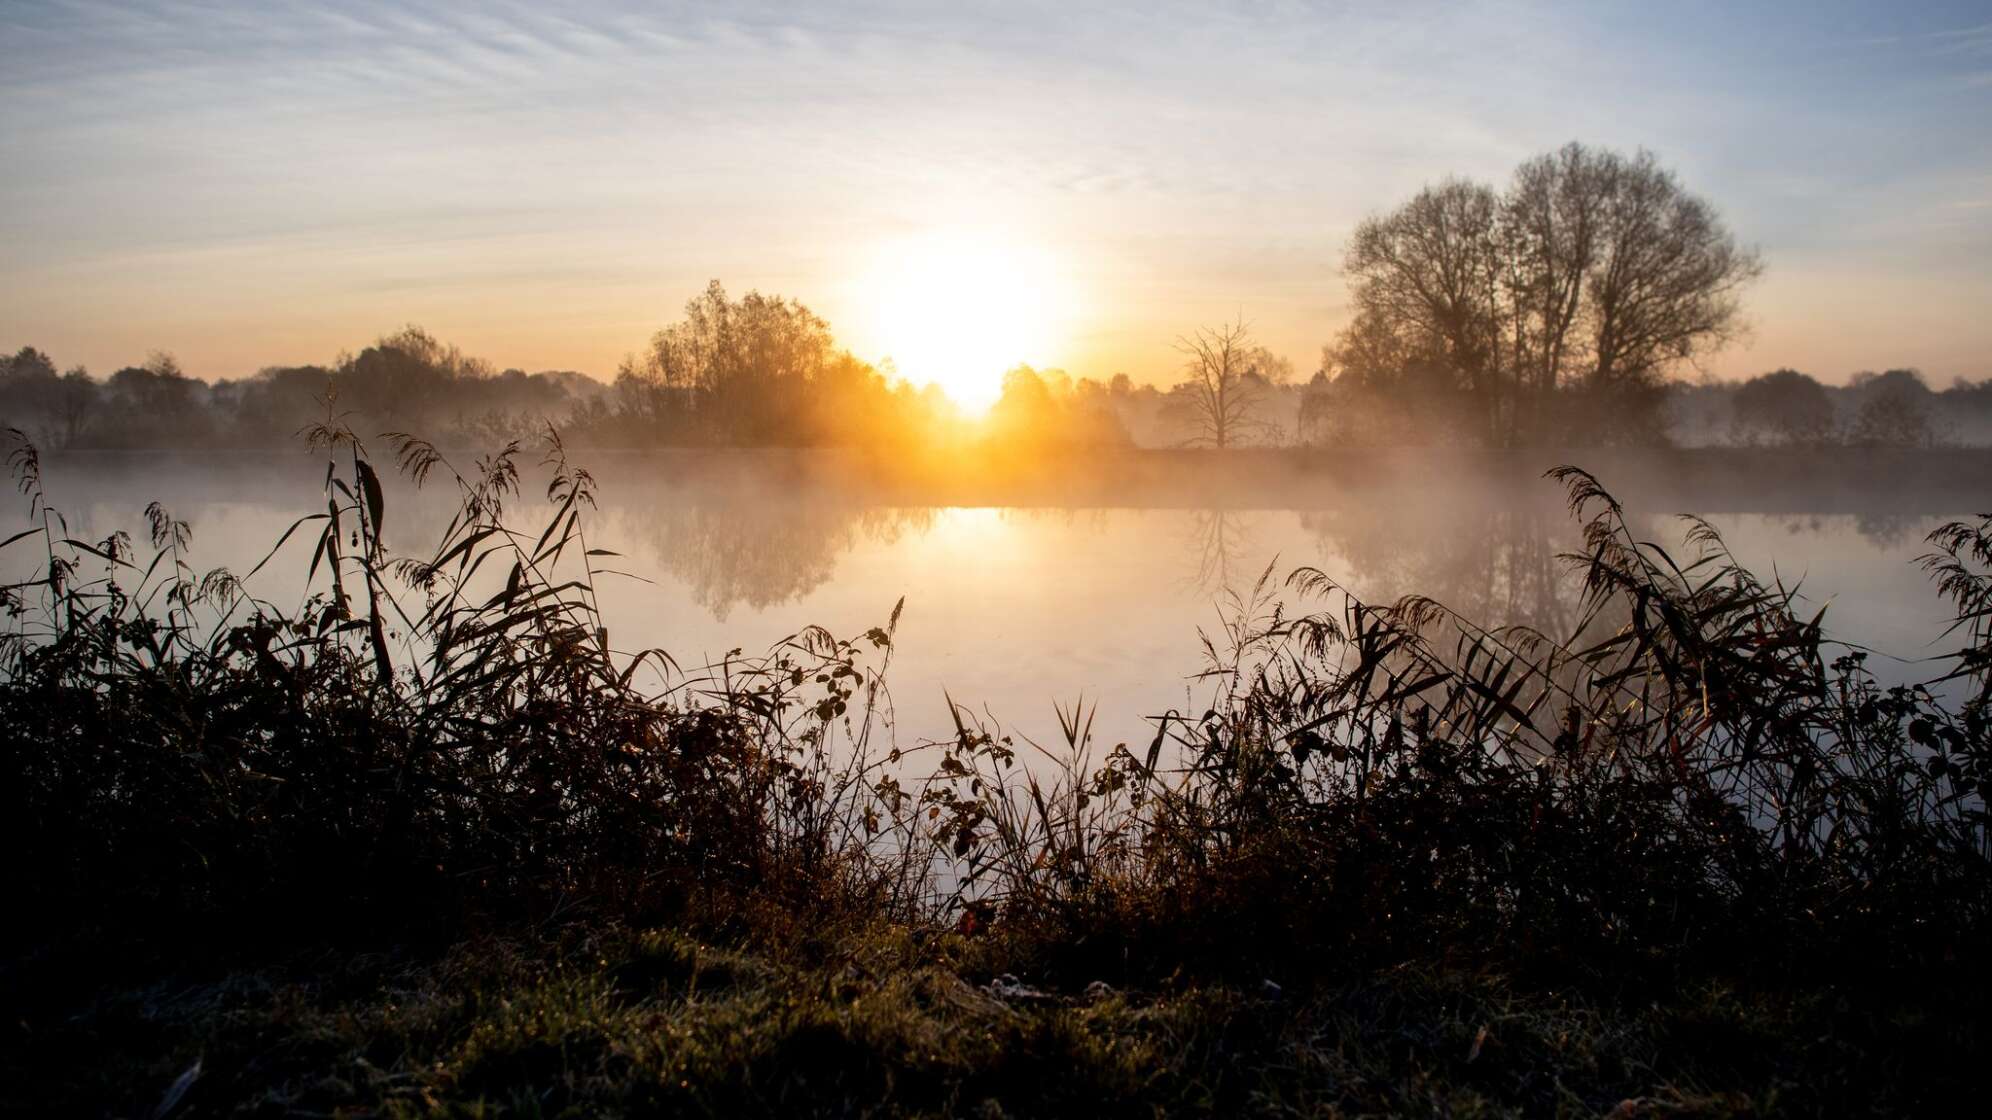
(269, 183)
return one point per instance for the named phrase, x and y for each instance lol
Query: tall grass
(449, 738)
(1696, 768)
(436, 737)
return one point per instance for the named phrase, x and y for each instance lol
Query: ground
(654, 1022)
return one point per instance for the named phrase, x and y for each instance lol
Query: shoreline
(1706, 480)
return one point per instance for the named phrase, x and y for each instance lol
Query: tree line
(1787, 408)
(405, 379)
(1559, 309)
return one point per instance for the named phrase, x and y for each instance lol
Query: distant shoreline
(1663, 480)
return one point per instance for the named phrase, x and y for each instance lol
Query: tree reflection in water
(1498, 565)
(766, 552)
(1220, 544)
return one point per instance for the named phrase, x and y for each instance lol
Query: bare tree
(1552, 221)
(1667, 284)
(1430, 274)
(1229, 377)
(1594, 271)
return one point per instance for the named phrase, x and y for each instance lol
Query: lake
(1092, 580)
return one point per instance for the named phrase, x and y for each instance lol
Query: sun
(958, 309)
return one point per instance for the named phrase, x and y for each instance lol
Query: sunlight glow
(958, 309)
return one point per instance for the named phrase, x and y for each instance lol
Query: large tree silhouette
(1557, 305)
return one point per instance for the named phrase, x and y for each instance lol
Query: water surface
(1012, 607)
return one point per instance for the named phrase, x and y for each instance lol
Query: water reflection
(1221, 546)
(1019, 607)
(1889, 530)
(1497, 566)
(767, 553)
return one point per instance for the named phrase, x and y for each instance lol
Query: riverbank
(610, 1021)
(427, 845)
(1706, 480)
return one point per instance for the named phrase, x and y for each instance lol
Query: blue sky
(251, 184)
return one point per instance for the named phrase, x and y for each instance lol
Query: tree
(28, 365)
(1553, 225)
(1564, 300)
(1427, 286)
(1894, 409)
(733, 371)
(1228, 379)
(1666, 285)
(75, 398)
(1317, 401)
(1784, 404)
(1046, 408)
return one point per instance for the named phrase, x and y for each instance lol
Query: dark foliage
(1692, 787)
(177, 749)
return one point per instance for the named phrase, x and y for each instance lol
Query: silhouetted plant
(1693, 769)
(174, 744)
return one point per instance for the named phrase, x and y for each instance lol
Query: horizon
(247, 189)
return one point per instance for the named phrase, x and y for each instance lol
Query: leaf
(94, 551)
(316, 556)
(370, 485)
(280, 542)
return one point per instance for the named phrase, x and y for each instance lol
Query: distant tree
(732, 371)
(27, 365)
(1026, 402)
(1666, 284)
(1894, 409)
(1590, 277)
(75, 399)
(1316, 409)
(409, 379)
(156, 391)
(153, 405)
(1553, 223)
(1967, 406)
(1229, 377)
(33, 398)
(276, 403)
(1047, 408)
(1784, 405)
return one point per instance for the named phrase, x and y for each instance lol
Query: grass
(428, 843)
(614, 1021)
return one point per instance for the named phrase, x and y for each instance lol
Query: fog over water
(1018, 599)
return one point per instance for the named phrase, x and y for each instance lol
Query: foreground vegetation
(611, 1021)
(428, 843)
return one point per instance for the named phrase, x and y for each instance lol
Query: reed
(1695, 784)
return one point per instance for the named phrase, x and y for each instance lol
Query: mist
(858, 561)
